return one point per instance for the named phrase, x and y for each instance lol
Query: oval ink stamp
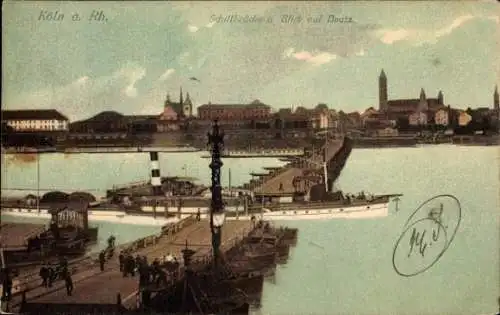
(426, 236)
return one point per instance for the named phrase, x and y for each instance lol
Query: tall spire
(188, 99)
(181, 97)
(382, 91)
(422, 94)
(440, 98)
(167, 101)
(496, 100)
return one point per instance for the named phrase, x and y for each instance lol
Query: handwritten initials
(418, 240)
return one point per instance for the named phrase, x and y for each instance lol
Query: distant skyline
(148, 49)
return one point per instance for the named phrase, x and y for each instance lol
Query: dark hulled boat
(67, 235)
(288, 235)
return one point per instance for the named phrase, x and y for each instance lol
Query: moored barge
(68, 234)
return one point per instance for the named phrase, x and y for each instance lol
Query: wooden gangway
(280, 180)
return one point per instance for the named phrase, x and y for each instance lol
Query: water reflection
(96, 173)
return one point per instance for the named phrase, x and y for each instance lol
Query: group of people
(148, 273)
(151, 274)
(50, 273)
(360, 196)
(128, 263)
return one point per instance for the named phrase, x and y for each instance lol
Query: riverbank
(358, 142)
(99, 150)
(395, 142)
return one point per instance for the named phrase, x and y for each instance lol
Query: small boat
(68, 235)
(251, 283)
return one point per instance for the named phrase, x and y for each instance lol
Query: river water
(338, 266)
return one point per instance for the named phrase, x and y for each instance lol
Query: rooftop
(33, 114)
(253, 104)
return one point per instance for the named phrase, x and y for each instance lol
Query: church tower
(382, 92)
(440, 98)
(167, 101)
(181, 98)
(422, 105)
(496, 102)
(187, 107)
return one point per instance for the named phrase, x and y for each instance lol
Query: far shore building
(418, 118)
(168, 120)
(320, 117)
(256, 110)
(288, 119)
(114, 122)
(354, 120)
(442, 117)
(183, 108)
(373, 119)
(463, 118)
(387, 132)
(36, 120)
(404, 108)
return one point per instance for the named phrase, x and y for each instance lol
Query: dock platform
(14, 235)
(95, 287)
(280, 181)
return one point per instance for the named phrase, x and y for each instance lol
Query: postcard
(250, 157)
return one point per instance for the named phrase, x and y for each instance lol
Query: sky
(140, 51)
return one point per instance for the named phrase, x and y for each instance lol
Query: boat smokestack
(155, 173)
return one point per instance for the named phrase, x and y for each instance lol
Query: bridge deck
(94, 286)
(281, 180)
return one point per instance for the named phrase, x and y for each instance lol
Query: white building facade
(35, 120)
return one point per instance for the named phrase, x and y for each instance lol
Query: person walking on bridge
(68, 281)
(51, 275)
(102, 260)
(121, 260)
(111, 241)
(44, 274)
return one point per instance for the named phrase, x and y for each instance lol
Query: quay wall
(268, 152)
(369, 142)
(104, 149)
(337, 162)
